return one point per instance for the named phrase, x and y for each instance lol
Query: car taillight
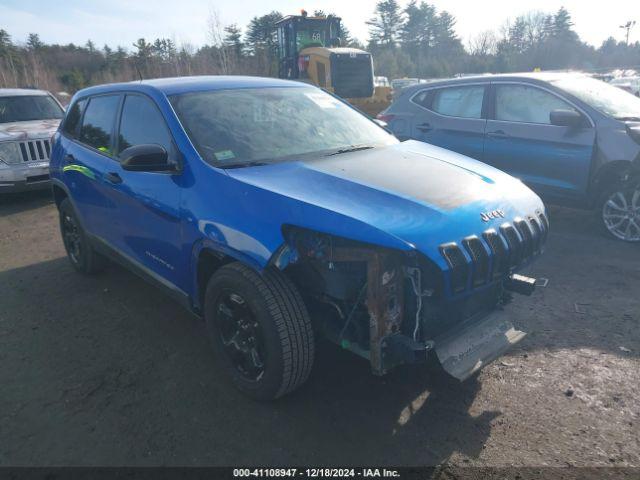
(385, 117)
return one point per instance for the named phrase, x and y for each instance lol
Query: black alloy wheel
(240, 334)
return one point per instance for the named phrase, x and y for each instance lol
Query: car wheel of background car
(260, 330)
(620, 211)
(82, 256)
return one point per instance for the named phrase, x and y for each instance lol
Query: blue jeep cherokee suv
(279, 213)
(573, 139)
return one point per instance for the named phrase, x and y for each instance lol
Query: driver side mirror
(565, 118)
(146, 158)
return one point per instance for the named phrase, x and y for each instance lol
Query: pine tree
(144, 49)
(233, 39)
(33, 42)
(261, 32)
(386, 24)
(417, 32)
(562, 25)
(445, 39)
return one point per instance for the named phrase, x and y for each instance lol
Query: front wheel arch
(610, 174)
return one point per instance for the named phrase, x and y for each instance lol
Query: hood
(415, 194)
(28, 130)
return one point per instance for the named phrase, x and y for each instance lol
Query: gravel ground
(106, 371)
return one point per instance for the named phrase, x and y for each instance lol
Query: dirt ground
(106, 371)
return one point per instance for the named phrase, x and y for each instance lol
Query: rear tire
(79, 250)
(259, 329)
(619, 210)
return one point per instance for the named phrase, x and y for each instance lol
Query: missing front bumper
(467, 349)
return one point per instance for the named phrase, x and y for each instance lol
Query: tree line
(414, 41)
(419, 41)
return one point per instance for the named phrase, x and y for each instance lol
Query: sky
(121, 22)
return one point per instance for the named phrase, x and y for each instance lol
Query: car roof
(534, 77)
(178, 85)
(21, 92)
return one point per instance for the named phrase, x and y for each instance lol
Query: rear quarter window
(72, 121)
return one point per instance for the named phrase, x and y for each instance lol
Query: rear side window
(422, 99)
(522, 103)
(98, 121)
(72, 121)
(142, 123)
(465, 102)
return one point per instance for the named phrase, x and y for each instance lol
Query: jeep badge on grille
(486, 216)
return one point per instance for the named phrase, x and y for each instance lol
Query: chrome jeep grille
(495, 254)
(35, 150)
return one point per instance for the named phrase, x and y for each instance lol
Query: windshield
(30, 107)
(606, 98)
(234, 128)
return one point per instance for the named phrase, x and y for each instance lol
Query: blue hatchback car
(279, 213)
(573, 139)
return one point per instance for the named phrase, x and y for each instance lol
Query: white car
(28, 119)
(630, 84)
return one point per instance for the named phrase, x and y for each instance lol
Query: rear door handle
(498, 134)
(113, 177)
(424, 127)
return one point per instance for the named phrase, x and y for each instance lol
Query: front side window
(523, 103)
(29, 107)
(239, 127)
(465, 102)
(142, 123)
(610, 100)
(97, 125)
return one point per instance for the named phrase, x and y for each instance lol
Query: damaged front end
(394, 307)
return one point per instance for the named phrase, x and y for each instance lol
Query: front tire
(620, 211)
(259, 329)
(79, 251)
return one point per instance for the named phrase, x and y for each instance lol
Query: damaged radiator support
(384, 296)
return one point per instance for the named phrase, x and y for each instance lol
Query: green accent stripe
(80, 169)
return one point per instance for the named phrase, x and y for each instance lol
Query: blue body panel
(410, 196)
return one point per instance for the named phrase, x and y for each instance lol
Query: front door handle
(424, 127)
(113, 177)
(69, 158)
(498, 134)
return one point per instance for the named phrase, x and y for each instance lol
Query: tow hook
(520, 284)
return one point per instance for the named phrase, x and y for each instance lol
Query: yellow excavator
(309, 50)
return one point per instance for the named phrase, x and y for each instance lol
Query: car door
(451, 117)
(87, 142)
(146, 223)
(520, 139)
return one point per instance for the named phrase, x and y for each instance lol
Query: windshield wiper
(243, 164)
(353, 148)
(628, 119)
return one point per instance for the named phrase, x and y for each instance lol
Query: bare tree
(483, 44)
(535, 23)
(216, 34)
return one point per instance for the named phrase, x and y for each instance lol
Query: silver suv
(28, 119)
